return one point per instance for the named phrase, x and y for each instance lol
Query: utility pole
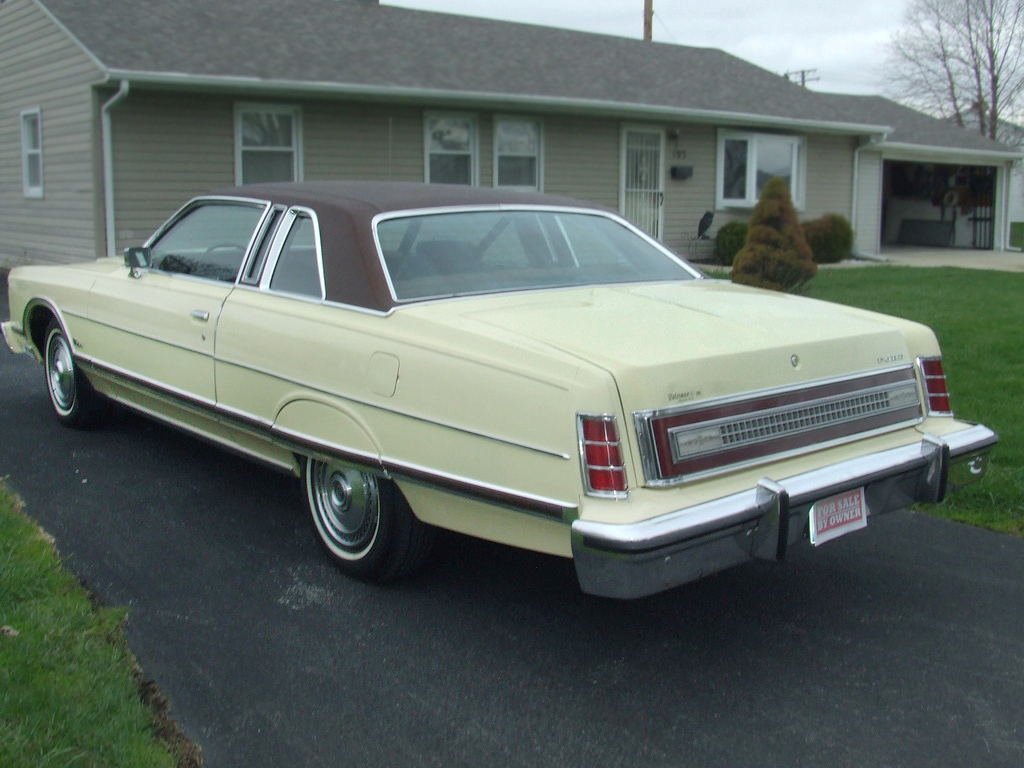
(648, 20)
(803, 74)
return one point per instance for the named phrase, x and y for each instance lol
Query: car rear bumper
(637, 559)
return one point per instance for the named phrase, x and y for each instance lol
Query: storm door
(979, 198)
(643, 189)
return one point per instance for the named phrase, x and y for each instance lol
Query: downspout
(108, 164)
(1007, 187)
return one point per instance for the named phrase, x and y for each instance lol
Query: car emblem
(795, 361)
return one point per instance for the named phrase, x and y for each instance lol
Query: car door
(157, 324)
(284, 310)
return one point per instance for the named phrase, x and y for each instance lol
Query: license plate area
(838, 515)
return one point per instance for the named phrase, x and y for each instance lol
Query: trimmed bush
(728, 241)
(775, 254)
(830, 238)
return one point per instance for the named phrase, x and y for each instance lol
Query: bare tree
(962, 60)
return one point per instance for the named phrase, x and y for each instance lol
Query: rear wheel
(71, 395)
(363, 521)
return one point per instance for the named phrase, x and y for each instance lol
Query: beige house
(113, 112)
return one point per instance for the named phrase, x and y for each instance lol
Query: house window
(32, 153)
(746, 161)
(517, 153)
(267, 146)
(451, 144)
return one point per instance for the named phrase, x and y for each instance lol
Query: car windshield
(458, 253)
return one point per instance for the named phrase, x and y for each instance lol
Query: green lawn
(978, 317)
(70, 695)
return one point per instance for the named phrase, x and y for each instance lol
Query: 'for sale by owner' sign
(838, 515)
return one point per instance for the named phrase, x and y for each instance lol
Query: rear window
(459, 253)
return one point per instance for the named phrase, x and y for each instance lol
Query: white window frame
(31, 150)
(474, 144)
(292, 111)
(539, 156)
(798, 170)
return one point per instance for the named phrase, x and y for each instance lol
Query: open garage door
(938, 206)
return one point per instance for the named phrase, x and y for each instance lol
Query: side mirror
(137, 257)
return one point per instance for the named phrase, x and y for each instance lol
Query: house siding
(41, 67)
(360, 141)
(829, 176)
(167, 149)
(581, 159)
(686, 200)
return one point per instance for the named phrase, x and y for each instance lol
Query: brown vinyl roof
(353, 273)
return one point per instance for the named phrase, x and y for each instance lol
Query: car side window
(298, 266)
(210, 240)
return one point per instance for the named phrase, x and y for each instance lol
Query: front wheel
(363, 521)
(71, 395)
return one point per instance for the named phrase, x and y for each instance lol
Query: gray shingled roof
(359, 43)
(358, 46)
(910, 126)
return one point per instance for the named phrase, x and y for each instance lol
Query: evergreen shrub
(775, 254)
(728, 241)
(830, 238)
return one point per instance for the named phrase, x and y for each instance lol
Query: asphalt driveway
(896, 646)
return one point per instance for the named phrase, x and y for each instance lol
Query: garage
(937, 205)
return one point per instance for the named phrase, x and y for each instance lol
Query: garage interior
(938, 206)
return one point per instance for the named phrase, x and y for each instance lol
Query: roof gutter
(453, 97)
(898, 150)
(108, 164)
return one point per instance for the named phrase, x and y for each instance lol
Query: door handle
(201, 314)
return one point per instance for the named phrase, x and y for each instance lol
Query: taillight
(935, 386)
(604, 472)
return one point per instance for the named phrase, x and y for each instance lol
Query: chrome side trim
(493, 494)
(304, 444)
(208, 437)
(163, 389)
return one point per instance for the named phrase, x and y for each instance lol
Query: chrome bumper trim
(637, 559)
(15, 337)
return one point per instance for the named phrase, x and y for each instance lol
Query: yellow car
(519, 367)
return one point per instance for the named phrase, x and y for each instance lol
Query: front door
(643, 190)
(157, 328)
(157, 324)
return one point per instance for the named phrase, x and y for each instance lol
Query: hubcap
(345, 502)
(61, 373)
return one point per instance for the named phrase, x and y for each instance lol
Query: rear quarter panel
(434, 406)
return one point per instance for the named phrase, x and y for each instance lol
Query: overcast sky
(844, 41)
